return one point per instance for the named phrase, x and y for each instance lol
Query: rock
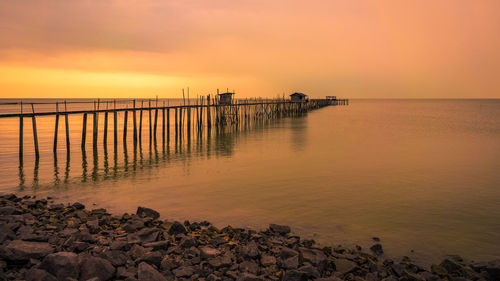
(267, 260)
(146, 212)
(158, 245)
(183, 271)
(438, 270)
(133, 225)
(208, 252)
(8, 210)
(177, 228)
(137, 252)
(281, 229)
(251, 250)
(451, 266)
(153, 258)
(18, 250)
(376, 239)
(115, 257)
(344, 266)
(313, 256)
(295, 275)
(36, 274)
(96, 267)
(377, 249)
(248, 277)
(62, 265)
(78, 206)
(145, 235)
(291, 263)
(249, 266)
(147, 273)
(311, 271)
(287, 253)
(187, 242)
(492, 267)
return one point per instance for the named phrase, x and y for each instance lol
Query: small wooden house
(298, 97)
(226, 98)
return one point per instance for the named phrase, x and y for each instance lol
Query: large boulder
(36, 274)
(492, 267)
(177, 228)
(93, 267)
(281, 229)
(62, 265)
(18, 250)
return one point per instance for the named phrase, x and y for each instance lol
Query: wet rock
(290, 263)
(153, 258)
(491, 267)
(248, 277)
(208, 252)
(62, 265)
(344, 266)
(287, 253)
(137, 252)
(377, 249)
(313, 256)
(133, 225)
(281, 229)
(145, 235)
(267, 260)
(96, 267)
(295, 275)
(18, 250)
(187, 242)
(147, 273)
(78, 206)
(147, 212)
(251, 250)
(36, 274)
(183, 271)
(451, 266)
(438, 270)
(249, 266)
(8, 210)
(177, 228)
(115, 257)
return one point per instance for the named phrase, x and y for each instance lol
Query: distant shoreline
(56, 241)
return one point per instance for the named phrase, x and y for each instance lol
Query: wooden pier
(204, 114)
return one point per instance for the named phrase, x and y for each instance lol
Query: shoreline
(44, 241)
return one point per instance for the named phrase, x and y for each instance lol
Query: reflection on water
(420, 175)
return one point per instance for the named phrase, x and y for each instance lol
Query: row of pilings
(205, 113)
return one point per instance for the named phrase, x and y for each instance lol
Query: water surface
(422, 175)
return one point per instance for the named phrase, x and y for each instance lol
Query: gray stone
(35, 274)
(251, 250)
(287, 253)
(281, 229)
(183, 271)
(377, 249)
(62, 265)
(291, 262)
(18, 250)
(153, 258)
(147, 212)
(344, 266)
(208, 252)
(248, 277)
(177, 228)
(187, 242)
(96, 267)
(147, 273)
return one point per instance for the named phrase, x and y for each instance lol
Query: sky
(148, 48)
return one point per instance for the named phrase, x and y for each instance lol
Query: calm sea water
(422, 175)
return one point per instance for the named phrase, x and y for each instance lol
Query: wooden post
(140, 122)
(168, 124)
(150, 124)
(176, 125)
(105, 137)
(56, 129)
(35, 135)
(115, 127)
(156, 122)
(66, 121)
(21, 131)
(125, 118)
(135, 124)
(163, 123)
(84, 130)
(95, 129)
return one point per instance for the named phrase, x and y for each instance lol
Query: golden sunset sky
(144, 48)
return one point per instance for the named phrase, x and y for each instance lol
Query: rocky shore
(44, 241)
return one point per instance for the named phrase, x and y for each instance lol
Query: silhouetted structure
(298, 97)
(226, 98)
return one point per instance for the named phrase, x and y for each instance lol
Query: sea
(423, 175)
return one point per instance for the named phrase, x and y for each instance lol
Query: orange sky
(144, 48)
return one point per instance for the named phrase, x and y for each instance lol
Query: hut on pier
(298, 97)
(226, 98)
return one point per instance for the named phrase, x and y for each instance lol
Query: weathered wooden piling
(105, 133)
(35, 135)
(56, 128)
(125, 119)
(135, 125)
(84, 130)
